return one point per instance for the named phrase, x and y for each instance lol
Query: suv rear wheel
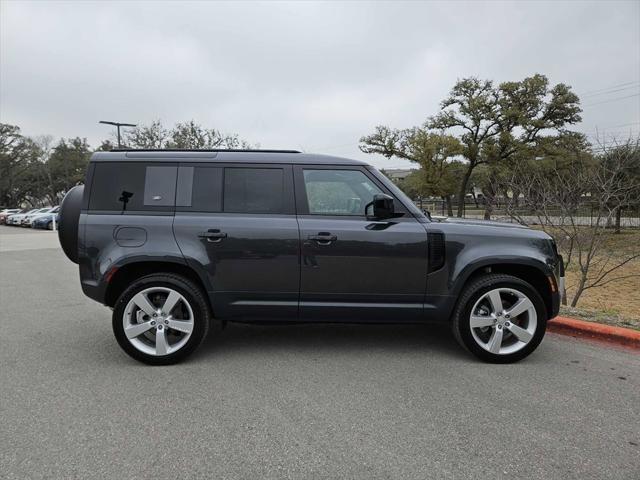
(500, 318)
(160, 319)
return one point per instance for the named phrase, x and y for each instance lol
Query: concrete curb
(595, 331)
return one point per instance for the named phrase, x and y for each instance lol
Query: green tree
(16, 156)
(497, 123)
(433, 152)
(67, 165)
(492, 123)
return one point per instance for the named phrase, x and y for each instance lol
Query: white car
(28, 220)
(18, 217)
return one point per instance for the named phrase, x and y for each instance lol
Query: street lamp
(118, 125)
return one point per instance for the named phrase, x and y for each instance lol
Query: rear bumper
(94, 291)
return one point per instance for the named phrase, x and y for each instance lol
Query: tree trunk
(463, 188)
(579, 290)
(449, 205)
(475, 198)
(488, 208)
(489, 195)
(618, 218)
(516, 198)
(489, 192)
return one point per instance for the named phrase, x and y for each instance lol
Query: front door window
(338, 192)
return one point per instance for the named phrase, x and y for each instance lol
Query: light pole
(118, 125)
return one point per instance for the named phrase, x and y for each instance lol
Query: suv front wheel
(500, 318)
(160, 319)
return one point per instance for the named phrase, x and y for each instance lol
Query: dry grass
(619, 301)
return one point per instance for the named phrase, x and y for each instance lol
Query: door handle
(323, 238)
(213, 235)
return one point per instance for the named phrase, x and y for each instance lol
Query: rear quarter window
(129, 187)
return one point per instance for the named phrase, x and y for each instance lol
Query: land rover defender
(173, 241)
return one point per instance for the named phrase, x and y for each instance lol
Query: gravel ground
(330, 401)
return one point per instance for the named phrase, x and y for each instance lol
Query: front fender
(470, 248)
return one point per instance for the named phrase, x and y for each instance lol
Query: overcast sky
(312, 76)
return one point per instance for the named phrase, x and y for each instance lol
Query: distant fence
(586, 214)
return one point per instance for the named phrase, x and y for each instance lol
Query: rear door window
(200, 189)
(254, 190)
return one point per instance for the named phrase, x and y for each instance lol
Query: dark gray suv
(173, 240)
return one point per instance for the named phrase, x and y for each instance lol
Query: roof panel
(235, 156)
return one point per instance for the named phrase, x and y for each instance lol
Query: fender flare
(458, 282)
(141, 260)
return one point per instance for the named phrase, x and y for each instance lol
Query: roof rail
(245, 150)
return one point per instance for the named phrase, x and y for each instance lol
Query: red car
(6, 212)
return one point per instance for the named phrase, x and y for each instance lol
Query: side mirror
(381, 207)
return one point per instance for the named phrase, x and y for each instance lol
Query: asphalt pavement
(308, 401)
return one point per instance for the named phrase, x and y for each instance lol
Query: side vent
(436, 250)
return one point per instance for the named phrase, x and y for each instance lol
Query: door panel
(253, 269)
(372, 271)
(248, 243)
(352, 268)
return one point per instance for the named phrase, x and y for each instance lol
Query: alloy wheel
(503, 321)
(158, 321)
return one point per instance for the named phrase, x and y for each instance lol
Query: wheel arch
(124, 275)
(527, 269)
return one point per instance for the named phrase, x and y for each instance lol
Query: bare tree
(186, 135)
(147, 136)
(553, 195)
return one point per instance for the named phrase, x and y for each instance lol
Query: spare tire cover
(68, 223)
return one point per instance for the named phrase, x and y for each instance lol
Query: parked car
(45, 221)
(6, 213)
(26, 221)
(17, 218)
(49, 213)
(171, 240)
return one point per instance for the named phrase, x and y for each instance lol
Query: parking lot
(329, 401)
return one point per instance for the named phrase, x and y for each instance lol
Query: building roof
(222, 156)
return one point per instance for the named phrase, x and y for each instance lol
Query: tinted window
(200, 188)
(132, 186)
(207, 189)
(338, 192)
(253, 190)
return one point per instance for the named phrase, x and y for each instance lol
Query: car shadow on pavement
(332, 338)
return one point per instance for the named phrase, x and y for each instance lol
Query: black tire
(193, 295)
(68, 223)
(474, 291)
